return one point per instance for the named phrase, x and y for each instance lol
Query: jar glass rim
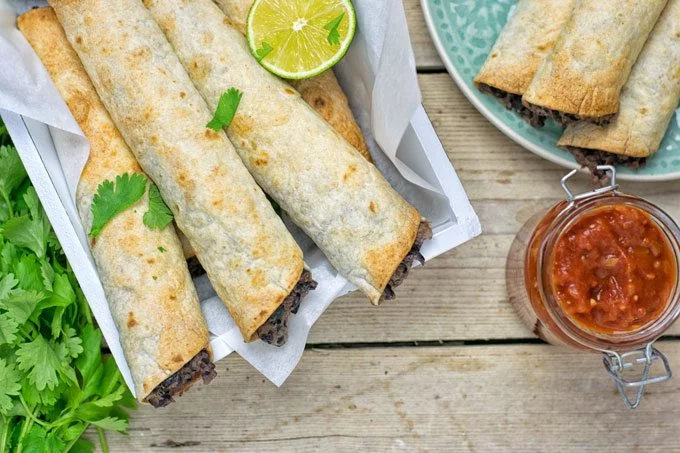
(619, 341)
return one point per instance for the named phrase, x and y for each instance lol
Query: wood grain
(456, 399)
(423, 48)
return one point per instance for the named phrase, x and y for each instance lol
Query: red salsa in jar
(613, 269)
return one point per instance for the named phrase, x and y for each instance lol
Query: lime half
(298, 39)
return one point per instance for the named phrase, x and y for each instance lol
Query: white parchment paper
(379, 77)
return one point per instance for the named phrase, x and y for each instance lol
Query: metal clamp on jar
(599, 272)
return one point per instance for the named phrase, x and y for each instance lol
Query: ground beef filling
(275, 330)
(424, 234)
(566, 119)
(513, 102)
(199, 367)
(591, 158)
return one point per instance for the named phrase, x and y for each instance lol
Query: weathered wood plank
(459, 399)
(423, 48)
(461, 296)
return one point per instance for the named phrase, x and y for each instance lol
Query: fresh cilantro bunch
(54, 380)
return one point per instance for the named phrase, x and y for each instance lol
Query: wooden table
(447, 366)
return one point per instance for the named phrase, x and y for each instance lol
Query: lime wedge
(298, 39)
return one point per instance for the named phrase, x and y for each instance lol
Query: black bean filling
(566, 119)
(591, 158)
(275, 330)
(200, 367)
(424, 234)
(512, 101)
(195, 268)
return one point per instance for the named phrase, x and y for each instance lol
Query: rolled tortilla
(150, 293)
(323, 92)
(250, 257)
(582, 77)
(364, 227)
(648, 99)
(519, 51)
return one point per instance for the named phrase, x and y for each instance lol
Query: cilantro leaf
(161, 249)
(110, 399)
(226, 109)
(111, 423)
(9, 386)
(158, 216)
(62, 293)
(29, 233)
(40, 362)
(263, 51)
(36, 440)
(8, 329)
(12, 175)
(8, 256)
(27, 271)
(72, 342)
(110, 200)
(47, 274)
(21, 304)
(332, 27)
(91, 357)
(7, 283)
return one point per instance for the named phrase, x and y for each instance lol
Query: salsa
(613, 270)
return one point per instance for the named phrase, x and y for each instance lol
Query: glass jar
(534, 274)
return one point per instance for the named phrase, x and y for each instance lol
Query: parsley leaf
(263, 51)
(158, 216)
(160, 249)
(226, 109)
(111, 200)
(9, 386)
(332, 27)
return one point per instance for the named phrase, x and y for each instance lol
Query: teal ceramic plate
(464, 32)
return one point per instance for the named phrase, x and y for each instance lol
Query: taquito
(519, 51)
(581, 79)
(323, 92)
(150, 293)
(368, 232)
(251, 259)
(648, 101)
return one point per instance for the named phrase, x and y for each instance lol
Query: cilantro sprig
(55, 382)
(110, 200)
(333, 33)
(226, 109)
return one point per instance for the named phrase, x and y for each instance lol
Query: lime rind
(299, 75)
